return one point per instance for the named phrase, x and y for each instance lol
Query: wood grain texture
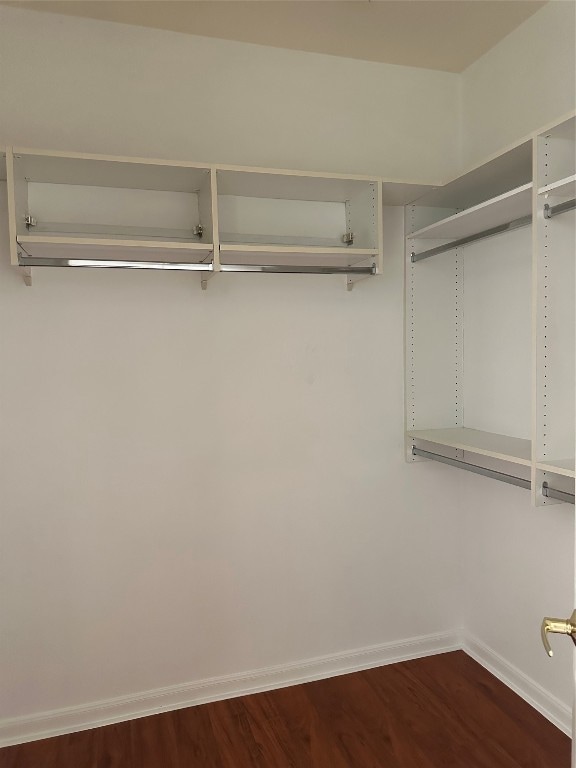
(444, 711)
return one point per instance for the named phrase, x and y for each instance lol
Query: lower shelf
(503, 447)
(564, 467)
(109, 249)
(294, 255)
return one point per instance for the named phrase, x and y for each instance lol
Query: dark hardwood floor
(445, 711)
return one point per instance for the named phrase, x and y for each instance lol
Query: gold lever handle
(558, 626)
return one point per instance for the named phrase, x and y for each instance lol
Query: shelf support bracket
(26, 273)
(204, 277)
(352, 279)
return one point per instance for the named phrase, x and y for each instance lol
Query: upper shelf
(499, 210)
(75, 169)
(563, 188)
(507, 171)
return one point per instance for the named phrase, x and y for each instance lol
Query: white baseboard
(57, 722)
(543, 701)
(71, 719)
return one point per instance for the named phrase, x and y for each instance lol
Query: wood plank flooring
(445, 711)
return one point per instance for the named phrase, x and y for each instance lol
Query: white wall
(518, 565)
(524, 82)
(519, 560)
(198, 484)
(93, 86)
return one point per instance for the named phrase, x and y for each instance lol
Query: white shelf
(492, 213)
(503, 447)
(564, 467)
(53, 230)
(290, 241)
(73, 168)
(50, 247)
(483, 182)
(294, 255)
(289, 185)
(562, 188)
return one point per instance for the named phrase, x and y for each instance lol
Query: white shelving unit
(468, 282)
(289, 219)
(93, 210)
(491, 321)
(79, 210)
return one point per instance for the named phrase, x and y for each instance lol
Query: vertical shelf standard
(554, 309)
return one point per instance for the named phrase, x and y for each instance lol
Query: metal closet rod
(32, 261)
(554, 210)
(552, 493)
(507, 227)
(492, 473)
(290, 268)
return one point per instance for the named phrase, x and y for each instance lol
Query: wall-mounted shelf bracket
(24, 269)
(554, 210)
(352, 279)
(204, 278)
(552, 493)
(26, 273)
(523, 221)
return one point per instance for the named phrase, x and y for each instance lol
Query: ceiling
(445, 35)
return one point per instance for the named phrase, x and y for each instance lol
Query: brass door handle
(558, 626)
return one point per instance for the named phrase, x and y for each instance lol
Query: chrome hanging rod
(552, 493)
(32, 261)
(492, 473)
(554, 210)
(290, 268)
(524, 221)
